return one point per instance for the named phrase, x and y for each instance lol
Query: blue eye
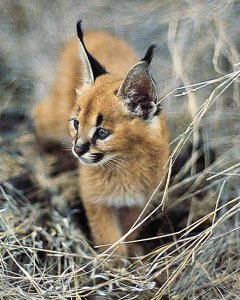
(76, 124)
(102, 133)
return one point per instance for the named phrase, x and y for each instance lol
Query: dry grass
(44, 252)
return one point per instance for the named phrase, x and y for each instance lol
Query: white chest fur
(125, 201)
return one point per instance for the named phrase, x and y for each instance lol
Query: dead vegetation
(191, 239)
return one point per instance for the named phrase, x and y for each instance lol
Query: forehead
(99, 99)
(88, 119)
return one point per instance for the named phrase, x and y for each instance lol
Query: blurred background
(198, 44)
(197, 69)
(198, 41)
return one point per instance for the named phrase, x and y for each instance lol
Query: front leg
(128, 216)
(104, 227)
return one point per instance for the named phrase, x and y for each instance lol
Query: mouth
(93, 159)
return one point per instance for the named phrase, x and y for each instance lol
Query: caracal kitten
(117, 128)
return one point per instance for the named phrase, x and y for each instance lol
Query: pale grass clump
(55, 261)
(44, 254)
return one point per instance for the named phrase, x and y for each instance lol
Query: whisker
(118, 162)
(66, 149)
(69, 153)
(110, 167)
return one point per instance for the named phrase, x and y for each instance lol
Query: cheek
(128, 137)
(106, 145)
(116, 143)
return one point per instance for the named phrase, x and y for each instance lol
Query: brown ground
(44, 235)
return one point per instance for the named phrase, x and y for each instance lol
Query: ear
(91, 67)
(138, 90)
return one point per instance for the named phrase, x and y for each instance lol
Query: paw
(115, 258)
(135, 250)
(121, 250)
(117, 262)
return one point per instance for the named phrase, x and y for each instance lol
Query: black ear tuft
(79, 30)
(149, 54)
(97, 68)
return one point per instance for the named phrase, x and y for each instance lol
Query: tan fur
(113, 192)
(143, 150)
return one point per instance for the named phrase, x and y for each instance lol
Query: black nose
(82, 149)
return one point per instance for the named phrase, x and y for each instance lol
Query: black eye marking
(102, 133)
(115, 92)
(99, 120)
(76, 124)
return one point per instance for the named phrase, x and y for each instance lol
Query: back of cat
(51, 115)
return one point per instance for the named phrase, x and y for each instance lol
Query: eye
(76, 124)
(102, 133)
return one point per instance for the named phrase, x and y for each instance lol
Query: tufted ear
(138, 90)
(91, 67)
